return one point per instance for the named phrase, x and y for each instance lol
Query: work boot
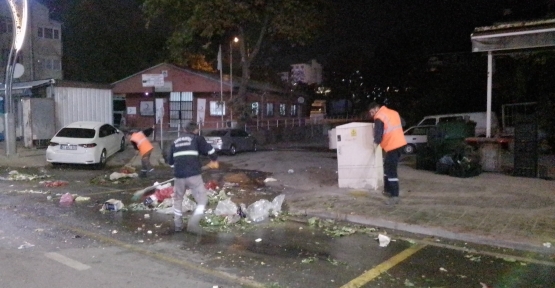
(142, 174)
(392, 201)
(193, 226)
(178, 223)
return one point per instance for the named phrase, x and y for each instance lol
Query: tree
(199, 26)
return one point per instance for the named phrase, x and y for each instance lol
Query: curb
(429, 231)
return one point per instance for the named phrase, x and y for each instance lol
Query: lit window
(217, 108)
(254, 109)
(293, 110)
(282, 109)
(269, 109)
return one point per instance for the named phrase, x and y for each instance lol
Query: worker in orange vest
(140, 142)
(388, 133)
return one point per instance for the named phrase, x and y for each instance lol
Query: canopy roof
(517, 35)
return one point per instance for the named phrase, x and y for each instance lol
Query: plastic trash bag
(66, 199)
(226, 208)
(261, 209)
(276, 204)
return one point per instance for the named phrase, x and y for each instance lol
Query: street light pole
(235, 39)
(19, 9)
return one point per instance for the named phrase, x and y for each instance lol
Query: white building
(41, 54)
(309, 73)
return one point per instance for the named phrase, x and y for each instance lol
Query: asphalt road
(44, 244)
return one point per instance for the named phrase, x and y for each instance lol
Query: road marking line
(382, 267)
(67, 261)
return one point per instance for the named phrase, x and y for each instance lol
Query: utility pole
(19, 9)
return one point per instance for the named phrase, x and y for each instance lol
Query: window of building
(181, 108)
(293, 110)
(269, 109)
(52, 64)
(254, 109)
(282, 109)
(6, 25)
(217, 108)
(48, 33)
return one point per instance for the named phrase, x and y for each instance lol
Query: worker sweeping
(184, 157)
(140, 142)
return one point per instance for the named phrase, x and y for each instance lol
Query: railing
(167, 132)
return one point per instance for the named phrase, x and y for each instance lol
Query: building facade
(41, 54)
(308, 73)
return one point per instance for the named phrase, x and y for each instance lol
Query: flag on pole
(220, 58)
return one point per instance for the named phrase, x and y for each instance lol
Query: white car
(85, 142)
(416, 136)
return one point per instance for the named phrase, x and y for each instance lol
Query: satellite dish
(18, 70)
(300, 100)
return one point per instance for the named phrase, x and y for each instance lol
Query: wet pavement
(459, 214)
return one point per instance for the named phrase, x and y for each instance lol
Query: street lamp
(19, 9)
(235, 40)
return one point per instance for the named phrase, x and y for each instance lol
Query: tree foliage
(200, 26)
(104, 40)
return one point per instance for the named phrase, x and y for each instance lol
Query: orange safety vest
(142, 142)
(393, 136)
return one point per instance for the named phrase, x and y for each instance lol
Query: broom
(139, 193)
(129, 165)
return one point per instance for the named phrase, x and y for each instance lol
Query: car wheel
(122, 145)
(409, 149)
(232, 150)
(102, 161)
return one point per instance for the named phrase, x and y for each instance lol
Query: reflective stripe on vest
(186, 153)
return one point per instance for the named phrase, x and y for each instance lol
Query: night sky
(378, 36)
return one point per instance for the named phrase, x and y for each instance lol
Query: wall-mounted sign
(153, 80)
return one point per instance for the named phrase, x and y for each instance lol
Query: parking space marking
(67, 261)
(383, 267)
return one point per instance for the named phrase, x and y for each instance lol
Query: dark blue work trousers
(390, 180)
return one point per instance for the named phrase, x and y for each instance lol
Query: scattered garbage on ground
(25, 245)
(118, 175)
(112, 205)
(331, 228)
(56, 183)
(383, 240)
(81, 199)
(66, 199)
(14, 175)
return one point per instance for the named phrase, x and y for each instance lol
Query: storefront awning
(514, 36)
(30, 84)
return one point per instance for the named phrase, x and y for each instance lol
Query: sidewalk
(492, 208)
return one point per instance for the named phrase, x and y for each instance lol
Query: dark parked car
(231, 141)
